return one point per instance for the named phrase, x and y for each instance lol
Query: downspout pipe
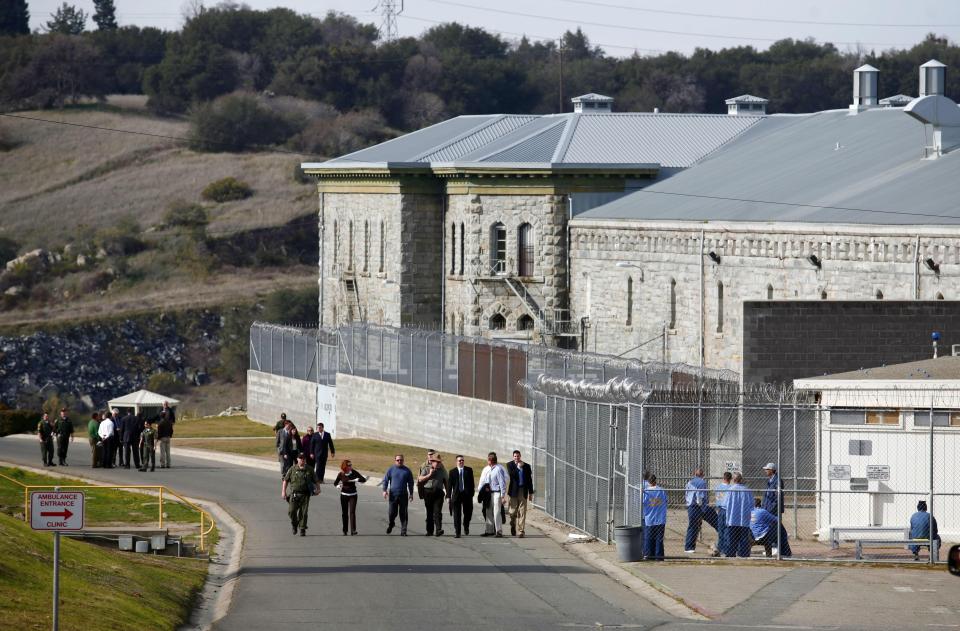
(702, 302)
(443, 260)
(322, 280)
(916, 271)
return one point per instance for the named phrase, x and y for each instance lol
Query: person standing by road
(773, 497)
(306, 441)
(695, 495)
(654, 520)
(164, 434)
(495, 478)
(130, 438)
(739, 507)
(291, 448)
(460, 494)
(148, 439)
(347, 481)
(63, 428)
(117, 455)
(322, 446)
(93, 436)
(398, 490)
(45, 432)
(166, 412)
(433, 482)
(280, 435)
(299, 483)
(106, 433)
(520, 491)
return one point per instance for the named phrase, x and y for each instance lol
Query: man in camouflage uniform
(148, 440)
(299, 483)
(45, 431)
(63, 428)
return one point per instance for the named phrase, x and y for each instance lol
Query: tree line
(336, 68)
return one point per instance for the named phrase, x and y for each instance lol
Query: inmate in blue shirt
(696, 492)
(761, 522)
(739, 505)
(722, 495)
(654, 506)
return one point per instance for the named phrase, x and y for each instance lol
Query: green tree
(237, 123)
(68, 20)
(14, 17)
(105, 15)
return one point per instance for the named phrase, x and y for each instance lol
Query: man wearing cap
(299, 483)
(321, 445)
(64, 431)
(773, 496)
(922, 526)
(433, 482)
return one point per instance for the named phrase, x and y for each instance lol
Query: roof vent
(864, 88)
(897, 100)
(592, 104)
(934, 109)
(746, 105)
(931, 78)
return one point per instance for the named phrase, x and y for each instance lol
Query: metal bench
(836, 533)
(907, 541)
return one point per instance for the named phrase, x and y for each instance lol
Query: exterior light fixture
(815, 261)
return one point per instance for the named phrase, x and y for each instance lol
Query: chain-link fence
(298, 353)
(861, 475)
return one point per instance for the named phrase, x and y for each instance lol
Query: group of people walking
(740, 519)
(115, 440)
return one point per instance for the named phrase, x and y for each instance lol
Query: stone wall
(375, 409)
(270, 395)
(756, 262)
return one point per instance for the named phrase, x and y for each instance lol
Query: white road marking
(900, 588)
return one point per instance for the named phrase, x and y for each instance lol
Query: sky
(620, 27)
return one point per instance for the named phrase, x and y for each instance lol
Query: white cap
(770, 466)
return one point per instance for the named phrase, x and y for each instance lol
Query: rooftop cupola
(592, 104)
(932, 75)
(864, 88)
(746, 105)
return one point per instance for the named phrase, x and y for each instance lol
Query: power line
(741, 18)
(636, 28)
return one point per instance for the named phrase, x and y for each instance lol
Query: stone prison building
(643, 234)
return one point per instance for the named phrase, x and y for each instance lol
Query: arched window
(382, 247)
(879, 295)
(629, 300)
(719, 307)
(525, 250)
(823, 294)
(350, 245)
(498, 248)
(769, 292)
(673, 304)
(453, 248)
(939, 296)
(525, 323)
(462, 249)
(336, 242)
(497, 322)
(366, 245)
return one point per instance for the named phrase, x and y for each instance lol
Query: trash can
(629, 540)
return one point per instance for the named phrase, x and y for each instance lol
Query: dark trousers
(63, 444)
(106, 451)
(722, 536)
(769, 541)
(127, 449)
(398, 504)
(46, 451)
(433, 508)
(114, 449)
(653, 541)
(739, 540)
(148, 454)
(462, 509)
(694, 521)
(348, 512)
(319, 468)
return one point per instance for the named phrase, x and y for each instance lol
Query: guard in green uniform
(64, 431)
(299, 483)
(92, 426)
(148, 441)
(45, 434)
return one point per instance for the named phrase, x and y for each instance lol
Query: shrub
(299, 176)
(226, 190)
(238, 122)
(343, 134)
(121, 239)
(8, 250)
(17, 421)
(185, 215)
(165, 383)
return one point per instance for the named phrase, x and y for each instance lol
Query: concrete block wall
(375, 409)
(269, 395)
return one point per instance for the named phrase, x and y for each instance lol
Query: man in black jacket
(461, 496)
(130, 437)
(321, 445)
(164, 434)
(519, 491)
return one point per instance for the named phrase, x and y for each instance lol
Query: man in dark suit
(519, 491)
(461, 496)
(321, 445)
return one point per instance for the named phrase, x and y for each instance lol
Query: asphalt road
(378, 581)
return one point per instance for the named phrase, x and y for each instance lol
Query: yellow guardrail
(205, 517)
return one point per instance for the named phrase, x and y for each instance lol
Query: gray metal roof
(594, 140)
(592, 96)
(746, 98)
(947, 367)
(865, 168)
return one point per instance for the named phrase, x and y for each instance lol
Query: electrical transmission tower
(390, 9)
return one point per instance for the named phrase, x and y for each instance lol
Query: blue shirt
(398, 479)
(920, 526)
(696, 492)
(739, 505)
(761, 521)
(654, 506)
(722, 495)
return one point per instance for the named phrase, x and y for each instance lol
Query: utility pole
(560, 52)
(389, 9)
